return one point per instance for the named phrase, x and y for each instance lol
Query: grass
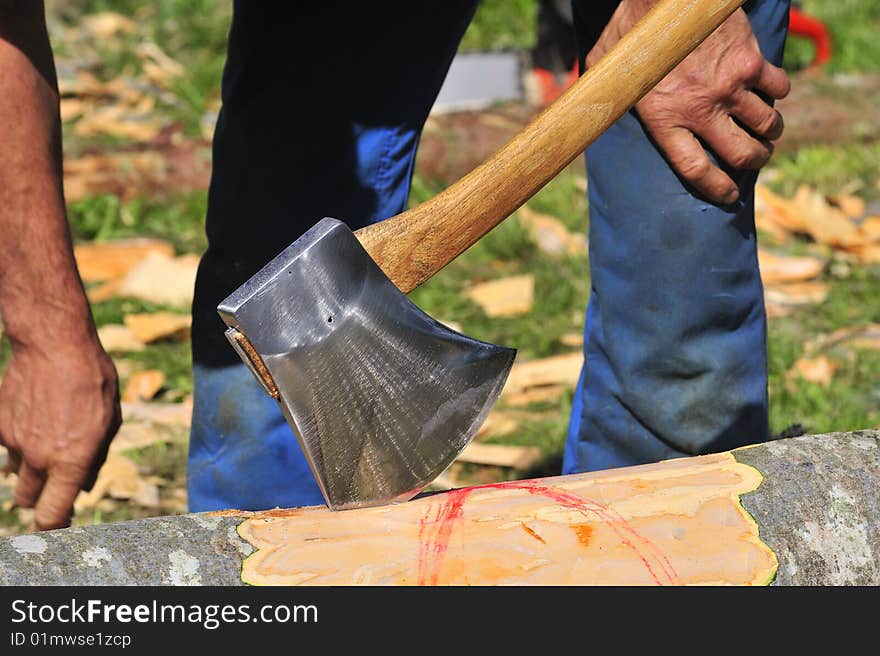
(179, 219)
(192, 32)
(501, 25)
(829, 169)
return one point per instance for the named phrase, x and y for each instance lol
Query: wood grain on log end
(675, 522)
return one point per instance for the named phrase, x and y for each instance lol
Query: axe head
(381, 397)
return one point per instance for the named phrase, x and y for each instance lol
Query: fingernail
(731, 196)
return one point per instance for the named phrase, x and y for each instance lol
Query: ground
(141, 92)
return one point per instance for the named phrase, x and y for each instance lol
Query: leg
(675, 337)
(322, 112)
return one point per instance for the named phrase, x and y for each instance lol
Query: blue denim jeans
(321, 117)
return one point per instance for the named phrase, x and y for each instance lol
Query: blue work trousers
(321, 116)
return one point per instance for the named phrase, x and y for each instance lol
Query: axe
(381, 397)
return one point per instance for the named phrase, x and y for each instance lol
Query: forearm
(41, 295)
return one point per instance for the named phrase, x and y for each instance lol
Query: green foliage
(179, 219)
(501, 25)
(829, 168)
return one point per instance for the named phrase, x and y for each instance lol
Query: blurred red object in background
(801, 24)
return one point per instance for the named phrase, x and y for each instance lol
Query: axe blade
(381, 397)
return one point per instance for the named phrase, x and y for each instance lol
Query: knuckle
(741, 159)
(749, 158)
(751, 64)
(694, 167)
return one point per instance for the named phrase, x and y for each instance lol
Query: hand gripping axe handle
(380, 396)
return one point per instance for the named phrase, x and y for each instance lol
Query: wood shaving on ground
(818, 370)
(116, 338)
(143, 385)
(101, 261)
(161, 279)
(550, 235)
(149, 327)
(505, 297)
(557, 370)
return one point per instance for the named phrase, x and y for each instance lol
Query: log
(799, 511)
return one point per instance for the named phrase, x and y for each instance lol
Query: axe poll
(381, 397)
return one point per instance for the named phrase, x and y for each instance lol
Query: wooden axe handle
(412, 246)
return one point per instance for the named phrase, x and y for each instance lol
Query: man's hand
(59, 403)
(59, 409)
(712, 97)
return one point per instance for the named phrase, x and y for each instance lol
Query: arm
(710, 98)
(59, 402)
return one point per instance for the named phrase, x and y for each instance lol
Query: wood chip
(777, 211)
(815, 370)
(158, 67)
(863, 337)
(542, 394)
(454, 325)
(149, 327)
(797, 293)
(852, 206)
(826, 224)
(136, 435)
(125, 174)
(119, 479)
(116, 338)
(867, 253)
(100, 261)
(506, 297)
(870, 228)
(557, 370)
(501, 455)
(550, 235)
(164, 414)
(765, 223)
(572, 340)
(775, 311)
(104, 292)
(143, 385)
(120, 121)
(72, 108)
(158, 278)
(106, 24)
(497, 423)
(776, 268)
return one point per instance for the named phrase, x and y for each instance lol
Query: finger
(30, 484)
(734, 146)
(55, 507)
(763, 120)
(773, 81)
(689, 159)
